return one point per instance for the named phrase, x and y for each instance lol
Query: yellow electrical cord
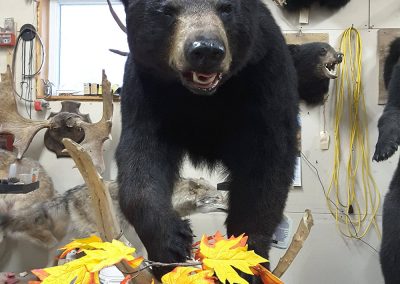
(365, 202)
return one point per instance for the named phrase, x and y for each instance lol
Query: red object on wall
(7, 39)
(6, 141)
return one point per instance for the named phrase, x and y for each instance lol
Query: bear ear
(125, 2)
(294, 48)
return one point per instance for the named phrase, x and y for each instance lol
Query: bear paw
(175, 246)
(384, 150)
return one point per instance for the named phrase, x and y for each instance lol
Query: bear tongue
(204, 79)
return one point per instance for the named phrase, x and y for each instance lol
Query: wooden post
(295, 246)
(107, 224)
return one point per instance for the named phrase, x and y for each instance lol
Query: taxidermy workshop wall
(327, 256)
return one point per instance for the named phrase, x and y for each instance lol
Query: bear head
(201, 43)
(316, 60)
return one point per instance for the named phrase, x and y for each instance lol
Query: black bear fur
(311, 60)
(391, 60)
(333, 4)
(248, 125)
(295, 5)
(388, 141)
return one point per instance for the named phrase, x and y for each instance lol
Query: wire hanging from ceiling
(25, 41)
(356, 205)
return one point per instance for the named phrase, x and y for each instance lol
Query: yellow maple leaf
(79, 244)
(226, 254)
(188, 275)
(98, 255)
(108, 254)
(70, 274)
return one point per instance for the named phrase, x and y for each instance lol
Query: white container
(111, 275)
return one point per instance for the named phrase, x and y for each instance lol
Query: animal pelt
(295, 5)
(333, 4)
(388, 141)
(15, 202)
(391, 60)
(315, 64)
(49, 221)
(389, 122)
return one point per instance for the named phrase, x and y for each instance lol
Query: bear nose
(339, 56)
(205, 55)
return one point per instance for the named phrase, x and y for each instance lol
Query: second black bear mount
(315, 64)
(385, 37)
(386, 146)
(65, 126)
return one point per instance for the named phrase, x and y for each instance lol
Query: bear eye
(324, 51)
(225, 8)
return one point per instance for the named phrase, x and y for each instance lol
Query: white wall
(327, 257)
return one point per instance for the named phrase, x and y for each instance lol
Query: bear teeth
(204, 79)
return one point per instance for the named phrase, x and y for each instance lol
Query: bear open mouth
(202, 82)
(330, 70)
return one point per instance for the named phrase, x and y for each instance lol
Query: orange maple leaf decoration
(189, 275)
(266, 276)
(240, 245)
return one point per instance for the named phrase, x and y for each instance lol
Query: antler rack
(25, 129)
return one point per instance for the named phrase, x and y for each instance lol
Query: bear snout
(339, 57)
(205, 54)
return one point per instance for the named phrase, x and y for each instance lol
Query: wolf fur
(48, 222)
(10, 203)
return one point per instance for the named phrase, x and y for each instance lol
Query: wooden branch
(295, 246)
(97, 133)
(11, 121)
(107, 224)
(116, 18)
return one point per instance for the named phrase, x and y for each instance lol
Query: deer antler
(11, 121)
(97, 133)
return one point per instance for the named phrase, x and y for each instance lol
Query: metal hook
(300, 32)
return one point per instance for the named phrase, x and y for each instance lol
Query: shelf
(18, 188)
(78, 98)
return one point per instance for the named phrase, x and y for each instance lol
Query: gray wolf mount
(10, 203)
(49, 221)
(315, 64)
(388, 141)
(212, 79)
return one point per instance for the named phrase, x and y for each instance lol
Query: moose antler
(97, 133)
(11, 121)
(25, 129)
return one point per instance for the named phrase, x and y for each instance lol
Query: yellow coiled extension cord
(354, 210)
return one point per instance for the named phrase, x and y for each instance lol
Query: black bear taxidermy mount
(387, 145)
(214, 81)
(315, 64)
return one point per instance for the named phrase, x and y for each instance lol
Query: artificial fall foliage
(218, 257)
(85, 270)
(216, 260)
(189, 275)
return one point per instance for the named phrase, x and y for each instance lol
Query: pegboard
(385, 37)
